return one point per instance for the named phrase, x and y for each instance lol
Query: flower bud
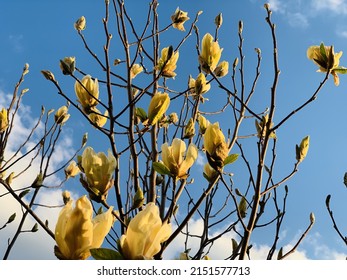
(135, 70)
(222, 69)
(67, 65)
(48, 75)
(72, 170)
(236, 62)
(218, 20)
(138, 199)
(97, 118)
(173, 118)
(262, 127)
(61, 116)
(216, 148)
(80, 24)
(203, 123)
(189, 130)
(66, 196)
(157, 107)
(3, 120)
(87, 92)
(302, 149)
(240, 26)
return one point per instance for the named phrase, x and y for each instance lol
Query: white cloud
(38, 245)
(201, 160)
(335, 6)
(297, 20)
(222, 247)
(277, 6)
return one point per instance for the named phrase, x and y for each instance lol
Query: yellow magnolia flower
(203, 123)
(135, 70)
(144, 234)
(80, 24)
(167, 62)
(174, 157)
(261, 127)
(97, 118)
(98, 169)
(327, 60)
(189, 130)
(157, 107)
(179, 18)
(87, 92)
(215, 146)
(302, 149)
(222, 69)
(61, 116)
(72, 170)
(67, 65)
(199, 86)
(209, 172)
(3, 120)
(76, 231)
(210, 53)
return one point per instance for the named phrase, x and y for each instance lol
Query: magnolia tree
(146, 190)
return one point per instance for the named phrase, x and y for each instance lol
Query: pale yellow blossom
(210, 53)
(179, 18)
(167, 62)
(327, 60)
(144, 234)
(176, 159)
(98, 169)
(157, 107)
(77, 232)
(87, 92)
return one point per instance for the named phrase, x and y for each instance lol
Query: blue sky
(41, 32)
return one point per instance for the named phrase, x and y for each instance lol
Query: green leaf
(243, 207)
(11, 218)
(105, 254)
(234, 245)
(24, 193)
(35, 228)
(280, 254)
(230, 159)
(141, 114)
(161, 168)
(340, 70)
(323, 52)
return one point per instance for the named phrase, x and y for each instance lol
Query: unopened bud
(240, 26)
(218, 20)
(80, 24)
(67, 65)
(66, 196)
(48, 75)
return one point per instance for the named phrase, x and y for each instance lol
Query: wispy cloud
(221, 248)
(335, 6)
(37, 245)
